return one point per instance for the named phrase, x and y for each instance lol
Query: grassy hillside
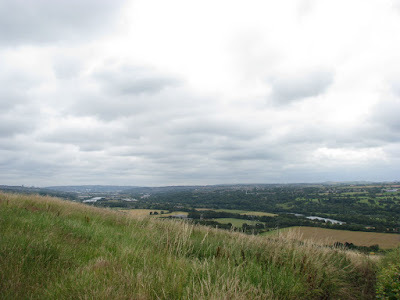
(54, 249)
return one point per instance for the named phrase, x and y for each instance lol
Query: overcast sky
(155, 92)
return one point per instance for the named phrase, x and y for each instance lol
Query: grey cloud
(11, 143)
(210, 126)
(87, 138)
(287, 89)
(144, 85)
(37, 21)
(38, 159)
(366, 134)
(396, 87)
(66, 67)
(158, 146)
(246, 154)
(128, 80)
(125, 91)
(130, 124)
(383, 122)
(139, 110)
(304, 7)
(11, 125)
(396, 5)
(393, 150)
(10, 98)
(110, 107)
(14, 88)
(387, 112)
(385, 118)
(322, 134)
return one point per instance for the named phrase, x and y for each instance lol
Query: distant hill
(38, 190)
(54, 249)
(180, 188)
(91, 188)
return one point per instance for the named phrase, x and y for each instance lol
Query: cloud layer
(45, 21)
(148, 93)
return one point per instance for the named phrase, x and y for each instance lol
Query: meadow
(56, 249)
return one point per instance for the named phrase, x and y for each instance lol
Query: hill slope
(54, 249)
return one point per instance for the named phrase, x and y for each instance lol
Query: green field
(235, 222)
(56, 249)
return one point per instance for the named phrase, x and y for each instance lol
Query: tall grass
(388, 281)
(54, 249)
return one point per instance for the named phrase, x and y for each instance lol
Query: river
(326, 220)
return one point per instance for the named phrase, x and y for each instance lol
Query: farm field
(241, 212)
(384, 240)
(174, 213)
(139, 212)
(146, 212)
(235, 222)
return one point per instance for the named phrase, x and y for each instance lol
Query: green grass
(352, 193)
(54, 249)
(306, 199)
(235, 222)
(283, 205)
(366, 201)
(388, 279)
